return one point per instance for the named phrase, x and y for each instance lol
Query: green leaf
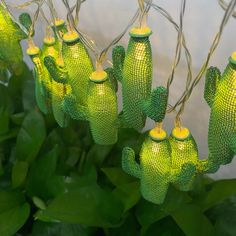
(9, 200)
(55, 229)
(39, 203)
(12, 134)
(218, 191)
(42, 180)
(147, 213)
(76, 181)
(130, 138)
(224, 216)
(117, 176)
(89, 205)
(18, 118)
(28, 95)
(98, 153)
(129, 194)
(17, 216)
(19, 173)
(13, 212)
(31, 137)
(4, 121)
(192, 221)
(164, 227)
(130, 227)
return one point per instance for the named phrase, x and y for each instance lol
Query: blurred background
(103, 20)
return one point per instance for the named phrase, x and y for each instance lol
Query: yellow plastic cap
(70, 37)
(98, 76)
(157, 134)
(233, 56)
(140, 32)
(59, 22)
(49, 41)
(180, 133)
(32, 51)
(232, 59)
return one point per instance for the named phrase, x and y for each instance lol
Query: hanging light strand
(213, 47)
(89, 43)
(178, 46)
(224, 5)
(104, 52)
(188, 56)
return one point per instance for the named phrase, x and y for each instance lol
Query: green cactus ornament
(155, 170)
(221, 97)
(58, 89)
(101, 110)
(183, 150)
(10, 36)
(134, 71)
(40, 71)
(155, 105)
(78, 65)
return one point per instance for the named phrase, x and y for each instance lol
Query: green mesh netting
(184, 151)
(10, 36)
(137, 80)
(79, 67)
(222, 125)
(212, 77)
(26, 21)
(155, 106)
(103, 112)
(155, 161)
(118, 57)
(59, 30)
(58, 90)
(155, 170)
(40, 99)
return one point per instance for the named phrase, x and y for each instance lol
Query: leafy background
(57, 182)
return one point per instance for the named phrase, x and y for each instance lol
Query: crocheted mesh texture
(212, 78)
(184, 151)
(79, 67)
(155, 161)
(58, 90)
(137, 80)
(222, 125)
(154, 168)
(40, 98)
(118, 57)
(155, 106)
(10, 36)
(103, 112)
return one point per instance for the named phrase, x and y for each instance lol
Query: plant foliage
(56, 181)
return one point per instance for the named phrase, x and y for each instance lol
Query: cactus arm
(207, 166)
(26, 21)
(71, 107)
(118, 57)
(121, 122)
(212, 78)
(184, 175)
(155, 106)
(58, 73)
(113, 81)
(40, 99)
(129, 165)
